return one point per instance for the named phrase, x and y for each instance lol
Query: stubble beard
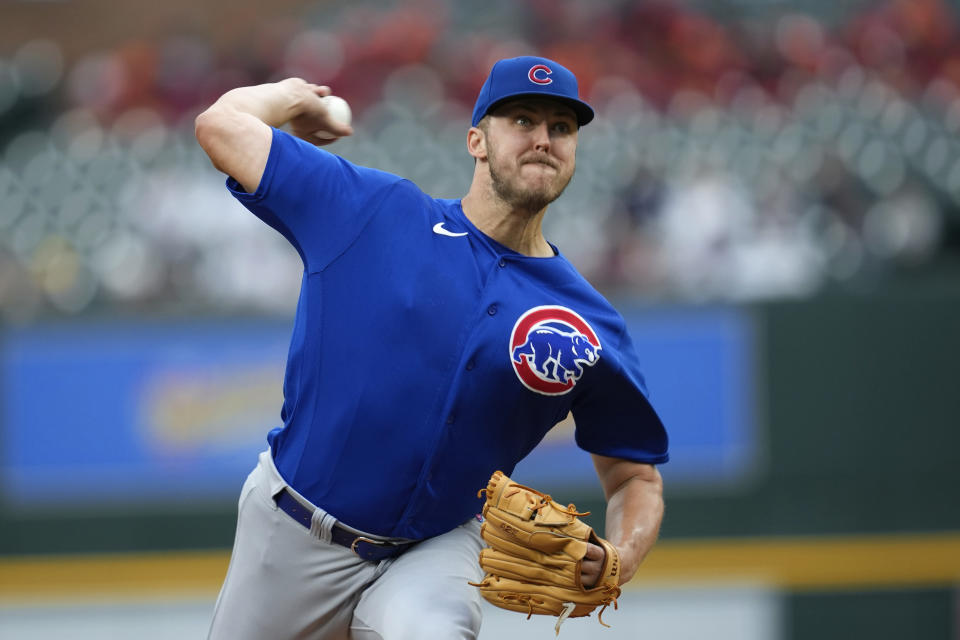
(531, 199)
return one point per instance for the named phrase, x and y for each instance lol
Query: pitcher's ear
(477, 143)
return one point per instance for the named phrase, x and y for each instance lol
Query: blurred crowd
(746, 156)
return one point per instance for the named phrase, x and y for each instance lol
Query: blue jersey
(425, 355)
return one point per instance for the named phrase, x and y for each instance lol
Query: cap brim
(582, 109)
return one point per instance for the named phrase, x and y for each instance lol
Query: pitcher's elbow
(204, 127)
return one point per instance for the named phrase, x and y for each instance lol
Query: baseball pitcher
(435, 343)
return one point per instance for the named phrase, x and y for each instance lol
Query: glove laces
(612, 592)
(524, 598)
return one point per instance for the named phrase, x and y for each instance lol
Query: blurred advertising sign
(105, 412)
(178, 411)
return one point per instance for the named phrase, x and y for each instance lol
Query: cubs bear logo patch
(550, 346)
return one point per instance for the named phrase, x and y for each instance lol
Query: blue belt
(366, 548)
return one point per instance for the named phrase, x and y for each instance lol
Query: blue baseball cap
(530, 76)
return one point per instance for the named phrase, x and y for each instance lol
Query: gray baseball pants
(287, 582)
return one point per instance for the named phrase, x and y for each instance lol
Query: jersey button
(450, 419)
(502, 263)
(492, 309)
(470, 365)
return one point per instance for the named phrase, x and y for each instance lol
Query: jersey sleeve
(318, 201)
(615, 418)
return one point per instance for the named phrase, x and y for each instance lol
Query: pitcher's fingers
(590, 572)
(594, 552)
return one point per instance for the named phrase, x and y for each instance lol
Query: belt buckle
(376, 543)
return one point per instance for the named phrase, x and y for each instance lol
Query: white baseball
(339, 110)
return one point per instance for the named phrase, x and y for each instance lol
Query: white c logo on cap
(540, 78)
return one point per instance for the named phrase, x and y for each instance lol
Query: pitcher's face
(531, 151)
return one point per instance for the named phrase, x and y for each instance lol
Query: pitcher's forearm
(634, 493)
(235, 131)
(634, 514)
(274, 104)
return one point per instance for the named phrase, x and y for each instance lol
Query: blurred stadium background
(771, 194)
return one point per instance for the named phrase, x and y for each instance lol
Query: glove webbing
(545, 499)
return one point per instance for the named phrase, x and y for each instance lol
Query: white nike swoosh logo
(438, 229)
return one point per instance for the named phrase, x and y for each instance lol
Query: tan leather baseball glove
(536, 549)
